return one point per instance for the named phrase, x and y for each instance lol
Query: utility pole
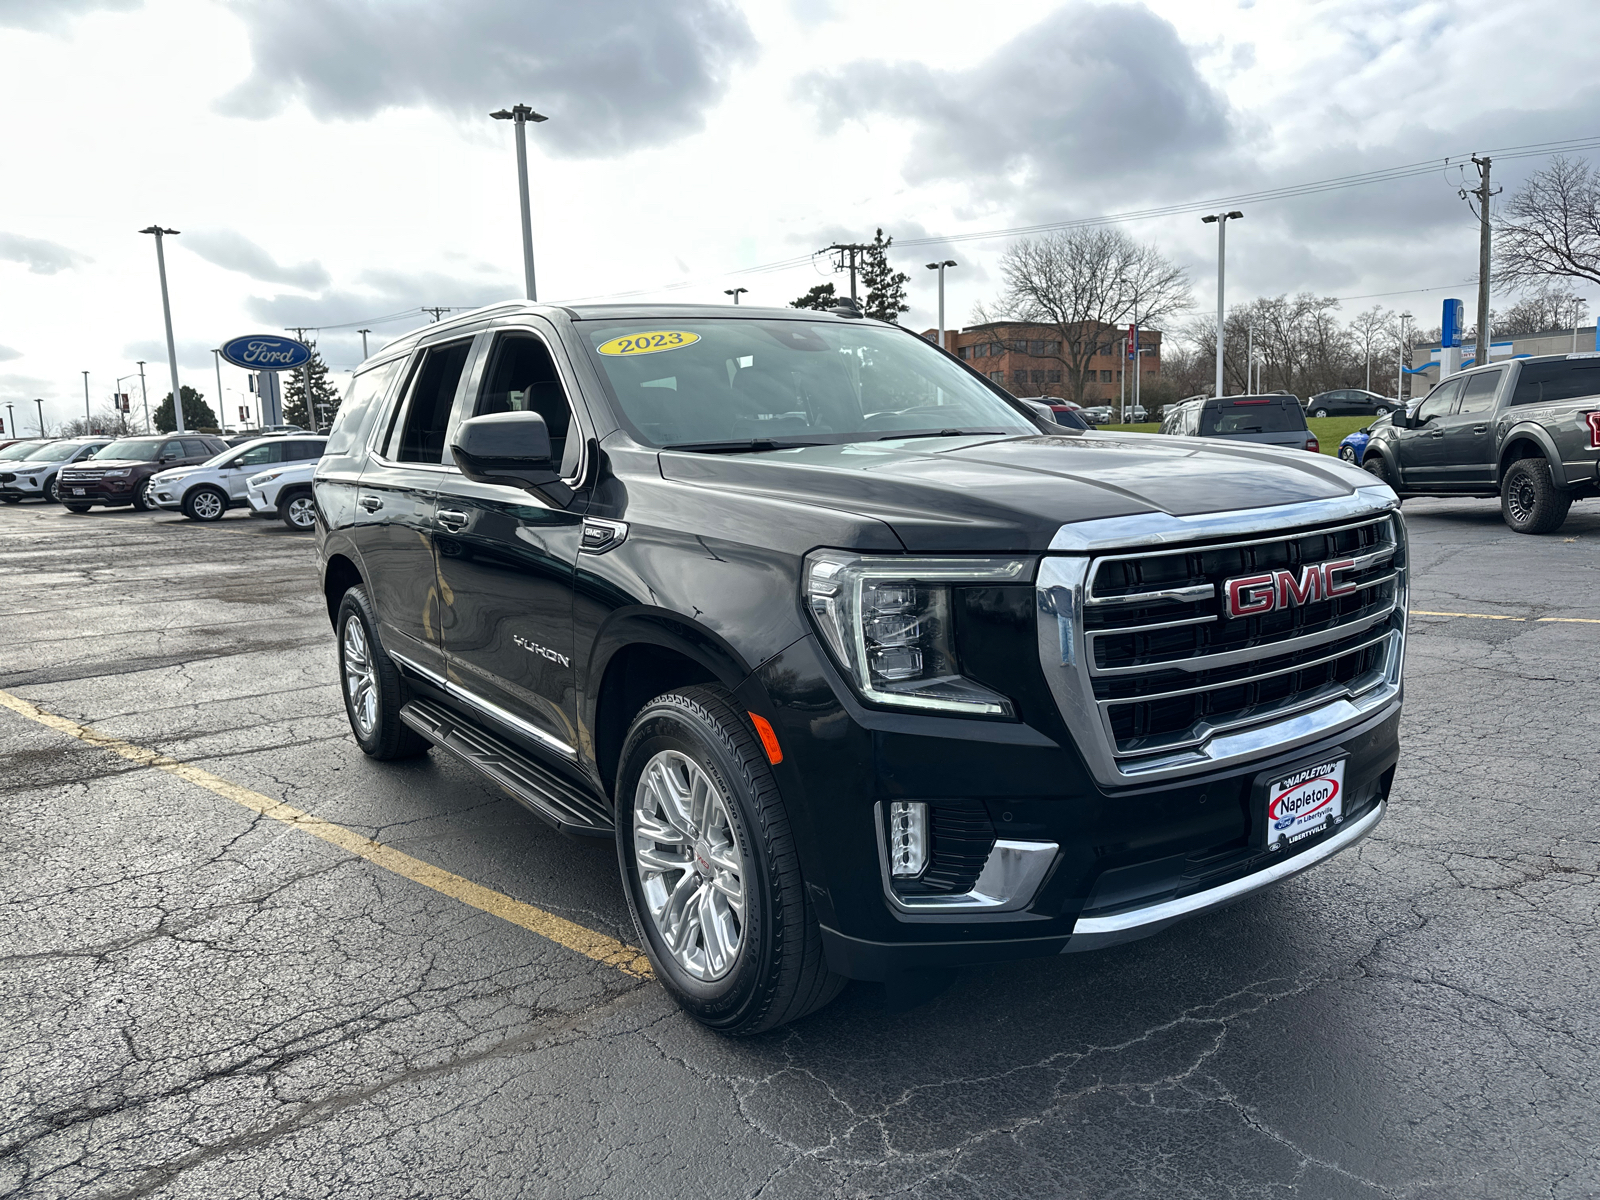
(144, 394)
(222, 408)
(521, 114)
(850, 250)
(1250, 356)
(939, 267)
(1400, 372)
(734, 292)
(166, 311)
(363, 333)
(1221, 221)
(437, 312)
(1483, 193)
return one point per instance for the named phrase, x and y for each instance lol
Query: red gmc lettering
(1309, 587)
(1251, 594)
(1332, 588)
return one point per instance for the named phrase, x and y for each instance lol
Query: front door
(395, 503)
(1468, 458)
(506, 560)
(1421, 450)
(236, 474)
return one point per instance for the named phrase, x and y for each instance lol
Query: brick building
(1027, 359)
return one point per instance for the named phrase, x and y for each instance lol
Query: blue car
(1355, 444)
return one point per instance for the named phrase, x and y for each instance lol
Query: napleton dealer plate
(1304, 803)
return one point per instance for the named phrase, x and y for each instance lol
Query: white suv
(285, 492)
(205, 492)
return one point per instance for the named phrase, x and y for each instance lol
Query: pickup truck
(866, 671)
(1527, 431)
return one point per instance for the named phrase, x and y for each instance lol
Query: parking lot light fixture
(1221, 221)
(734, 292)
(86, 418)
(522, 114)
(1400, 364)
(40, 403)
(939, 267)
(166, 311)
(11, 422)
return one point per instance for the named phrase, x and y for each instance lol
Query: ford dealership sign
(266, 352)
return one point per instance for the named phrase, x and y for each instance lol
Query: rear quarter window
(1570, 379)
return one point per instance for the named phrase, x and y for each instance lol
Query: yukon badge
(1255, 595)
(541, 651)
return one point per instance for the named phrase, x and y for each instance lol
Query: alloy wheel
(302, 512)
(360, 678)
(691, 868)
(207, 506)
(1521, 498)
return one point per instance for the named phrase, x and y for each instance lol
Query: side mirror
(511, 449)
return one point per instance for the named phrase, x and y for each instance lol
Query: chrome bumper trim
(1010, 877)
(1091, 933)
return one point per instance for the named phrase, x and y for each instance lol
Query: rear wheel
(79, 508)
(1321, 412)
(1529, 499)
(298, 510)
(11, 499)
(204, 504)
(374, 692)
(710, 869)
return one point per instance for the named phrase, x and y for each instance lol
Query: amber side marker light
(769, 739)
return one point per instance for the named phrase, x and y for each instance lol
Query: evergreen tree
(822, 298)
(197, 413)
(886, 287)
(323, 393)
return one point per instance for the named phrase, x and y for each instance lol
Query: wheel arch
(339, 575)
(1529, 441)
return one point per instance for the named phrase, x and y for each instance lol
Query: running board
(550, 797)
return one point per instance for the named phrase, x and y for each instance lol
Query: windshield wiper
(744, 446)
(895, 437)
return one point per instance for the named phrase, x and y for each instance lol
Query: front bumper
(261, 505)
(23, 488)
(102, 491)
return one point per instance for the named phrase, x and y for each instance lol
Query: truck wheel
(298, 510)
(373, 691)
(1529, 499)
(1377, 465)
(710, 870)
(79, 508)
(204, 504)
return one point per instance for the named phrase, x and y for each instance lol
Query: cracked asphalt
(198, 1001)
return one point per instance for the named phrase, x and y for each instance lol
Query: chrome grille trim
(1163, 529)
(1067, 648)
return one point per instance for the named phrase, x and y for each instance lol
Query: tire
(52, 494)
(1346, 453)
(1377, 465)
(79, 508)
(205, 504)
(11, 499)
(141, 498)
(1321, 412)
(1529, 499)
(298, 510)
(370, 683)
(776, 973)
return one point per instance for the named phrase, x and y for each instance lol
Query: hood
(1011, 495)
(108, 464)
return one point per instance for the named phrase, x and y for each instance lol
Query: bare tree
(1082, 283)
(1551, 228)
(1367, 331)
(1553, 306)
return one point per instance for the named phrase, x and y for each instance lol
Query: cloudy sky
(331, 162)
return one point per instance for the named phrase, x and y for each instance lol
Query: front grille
(8, 477)
(83, 477)
(1166, 668)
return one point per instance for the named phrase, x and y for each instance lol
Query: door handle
(1437, 433)
(452, 519)
(1480, 429)
(370, 503)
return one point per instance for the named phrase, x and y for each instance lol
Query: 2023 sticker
(649, 343)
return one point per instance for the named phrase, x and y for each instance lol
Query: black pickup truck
(1527, 431)
(867, 671)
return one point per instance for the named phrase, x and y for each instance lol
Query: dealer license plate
(1304, 803)
(77, 491)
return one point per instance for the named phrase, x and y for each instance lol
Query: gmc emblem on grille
(1253, 595)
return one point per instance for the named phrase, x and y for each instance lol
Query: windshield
(55, 452)
(1277, 415)
(136, 449)
(724, 384)
(20, 449)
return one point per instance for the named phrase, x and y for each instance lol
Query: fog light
(908, 838)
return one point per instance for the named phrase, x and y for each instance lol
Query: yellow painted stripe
(1573, 620)
(598, 946)
(1422, 612)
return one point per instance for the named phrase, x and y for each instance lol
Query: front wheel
(11, 499)
(204, 504)
(710, 870)
(52, 494)
(1529, 499)
(79, 508)
(1346, 453)
(142, 500)
(1377, 465)
(298, 510)
(1321, 412)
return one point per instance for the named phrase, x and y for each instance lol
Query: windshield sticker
(648, 343)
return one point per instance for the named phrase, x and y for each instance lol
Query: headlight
(264, 478)
(117, 474)
(887, 621)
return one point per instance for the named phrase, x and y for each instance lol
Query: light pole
(363, 333)
(11, 422)
(939, 267)
(734, 292)
(86, 429)
(522, 114)
(166, 311)
(222, 408)
(144, 394)
(40, 403)
(1221, 221)
(1400, 373)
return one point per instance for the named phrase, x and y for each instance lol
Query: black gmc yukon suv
(866, 673)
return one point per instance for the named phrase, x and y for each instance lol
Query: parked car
(1354, 445)
(1351, 402)
(883, 683)
(35, 477)
(1061, 412)
(1527, 431)
(21, 449)
(121, 472)
(1097, 414)
(1274, 419)
(285, 492)
(206, 492)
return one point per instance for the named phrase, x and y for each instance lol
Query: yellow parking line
(1572, 620)
(1422, 612)
(598, 946)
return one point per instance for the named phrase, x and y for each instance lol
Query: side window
(1564, 379)
(1478, 395)
(522, 378)
(1191, 421)
(419, 435)
(171, 449)
(195, 448)
(260, 456)
(1441, 401)
(356, 410)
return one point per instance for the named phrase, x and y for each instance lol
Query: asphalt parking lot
(204, 995)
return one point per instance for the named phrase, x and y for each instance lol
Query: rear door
(394, 522)
(1468, 456)
(1421, 450)
(506, 557)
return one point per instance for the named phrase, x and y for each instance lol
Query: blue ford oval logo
(266, 352)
